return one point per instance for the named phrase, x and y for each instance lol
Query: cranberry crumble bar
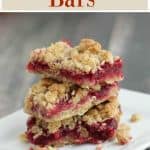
(75, 101)
(97, 125)
(53, 100)
(86, 64)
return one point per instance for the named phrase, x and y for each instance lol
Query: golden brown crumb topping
(47, 93)
(96, 114)
(87, 56)
(102, 111)
(123, 134)
(57, 51)
(135, 118)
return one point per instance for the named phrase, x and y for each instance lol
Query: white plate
(132, 102)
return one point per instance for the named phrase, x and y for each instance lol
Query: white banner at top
(53, 5)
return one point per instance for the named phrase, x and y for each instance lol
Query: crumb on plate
(135, 117)
(123, 134)
(42, 148)
(23, 137)
(99, 147)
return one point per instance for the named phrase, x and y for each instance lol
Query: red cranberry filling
(104, 92)
(99, 131)
(103, 130)
(31, 122)
(65, 105)
(37, 66)
(107, 71)
(57, 109)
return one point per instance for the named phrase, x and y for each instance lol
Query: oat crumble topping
(102, 111)
(85, 57)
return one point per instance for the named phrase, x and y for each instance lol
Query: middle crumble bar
(52, 100)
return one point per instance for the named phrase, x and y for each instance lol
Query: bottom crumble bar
(97, 125)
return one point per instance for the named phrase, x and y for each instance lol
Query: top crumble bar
(86, 64)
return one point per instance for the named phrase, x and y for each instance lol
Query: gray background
(127, 35)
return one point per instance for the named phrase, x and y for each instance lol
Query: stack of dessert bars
(75, 101)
